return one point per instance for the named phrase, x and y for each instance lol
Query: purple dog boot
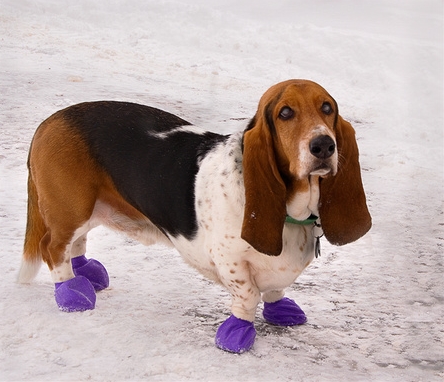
(284, 312)
(93, 270)
(235, 335)
(75, 295)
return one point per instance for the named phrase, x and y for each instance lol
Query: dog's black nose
(322, 147)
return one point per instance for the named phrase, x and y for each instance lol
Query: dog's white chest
(218, 251)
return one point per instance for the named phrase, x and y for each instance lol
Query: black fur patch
(154, 174)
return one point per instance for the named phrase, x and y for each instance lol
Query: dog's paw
(235, 335)
(75, 295)
(93, 270)
(284, 312)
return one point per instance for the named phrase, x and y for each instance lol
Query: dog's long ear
(343, 208)
(265, 192)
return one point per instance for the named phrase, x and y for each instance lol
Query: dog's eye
(286, 113)
(327, 108)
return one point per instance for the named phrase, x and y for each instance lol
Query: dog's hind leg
(64, 189)
(92, 269)
(72, 292)
(63, 248)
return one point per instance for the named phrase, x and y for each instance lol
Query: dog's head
(298, 135)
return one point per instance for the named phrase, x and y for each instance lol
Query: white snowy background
(375, 307)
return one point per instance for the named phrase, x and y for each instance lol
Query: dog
(243, 209)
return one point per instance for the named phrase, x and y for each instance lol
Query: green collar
(310, 220)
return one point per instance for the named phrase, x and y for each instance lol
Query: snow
(375, 307)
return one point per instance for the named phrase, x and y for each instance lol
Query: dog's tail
(35, 230)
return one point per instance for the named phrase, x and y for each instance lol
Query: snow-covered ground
(375, 307)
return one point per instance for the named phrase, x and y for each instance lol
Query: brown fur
(61, 168)
(265, 192)
(51, 176)
(343, 209)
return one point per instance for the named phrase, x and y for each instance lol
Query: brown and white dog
(221, 201)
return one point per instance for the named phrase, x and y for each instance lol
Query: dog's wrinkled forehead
(295, 92)
(299, 96)
(297, 88)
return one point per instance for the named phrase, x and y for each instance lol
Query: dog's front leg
(237, 333)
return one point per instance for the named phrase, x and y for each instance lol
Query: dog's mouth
(318, 167)
(322, 170)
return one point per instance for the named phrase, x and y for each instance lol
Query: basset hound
(241, 208)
